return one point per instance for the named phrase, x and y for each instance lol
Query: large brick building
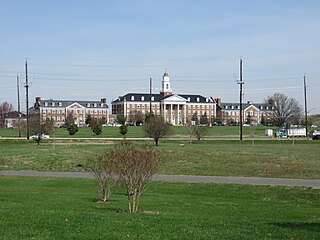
(177, 109)
(253, 113)
(58, 110)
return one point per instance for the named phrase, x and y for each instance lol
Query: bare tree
(157, 128)
(103, 168)
(197, 131)
(134, 165)
(283, 108)
(39, 128)
(5, 108)
(69, 119)
(136, 117)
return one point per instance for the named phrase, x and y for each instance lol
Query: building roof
(14, 114)
(236, 106)
(137, 97)
(65, 103)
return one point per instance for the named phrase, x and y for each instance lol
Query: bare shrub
(134, 165)
(197, 131)
(103, 168)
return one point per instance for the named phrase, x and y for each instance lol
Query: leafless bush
(103, 168)
(134, 165)
(197, 131)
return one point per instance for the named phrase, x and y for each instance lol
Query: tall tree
(69, 119)
(283, 108)
(88, 119)
(5, 108)
(157, 128)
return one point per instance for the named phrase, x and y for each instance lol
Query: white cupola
(166, 86)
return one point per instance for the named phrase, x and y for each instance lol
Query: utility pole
(305, 105)
(27, 101)
(19, 110)
(150, 96)
(241, 83)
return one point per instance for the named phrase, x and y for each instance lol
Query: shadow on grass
(309, 226)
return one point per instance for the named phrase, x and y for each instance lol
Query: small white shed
(268, 132)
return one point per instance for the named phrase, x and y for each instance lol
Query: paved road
(183, 178)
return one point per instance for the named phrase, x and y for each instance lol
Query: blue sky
(87, 50)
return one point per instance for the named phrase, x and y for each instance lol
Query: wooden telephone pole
(19, 109)
(27, 101)
(150, 96)
(305, 105)
(241, 112)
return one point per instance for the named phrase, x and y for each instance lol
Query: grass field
(177, 131)
(221, 158)
(48, 208)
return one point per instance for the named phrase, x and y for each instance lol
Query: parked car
(316, 135)
(43, 136)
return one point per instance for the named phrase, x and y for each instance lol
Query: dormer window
(188, 99)
(132, 98)
(152, 98)
(226, 107)
(142, 98)
(45, 104)
(60, 104)
(95, 105)
(52, 104)
(88, 104)
(198, 99)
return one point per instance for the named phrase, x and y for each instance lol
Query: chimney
(218, 101)
(103, 100)
(37, 103)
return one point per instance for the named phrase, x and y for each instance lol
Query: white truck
(291, 132)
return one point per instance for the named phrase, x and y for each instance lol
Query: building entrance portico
(173, 109)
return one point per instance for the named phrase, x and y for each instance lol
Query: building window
(46, 104)
(188, 99)
(88, 104)
(167, 86)
(198, 99)
(60, 104)
(152, 98)
(132, 98)
(52, 104)
(142, 98)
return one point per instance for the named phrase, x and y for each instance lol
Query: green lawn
(177, 131)
(50, 208)
(221, 158)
